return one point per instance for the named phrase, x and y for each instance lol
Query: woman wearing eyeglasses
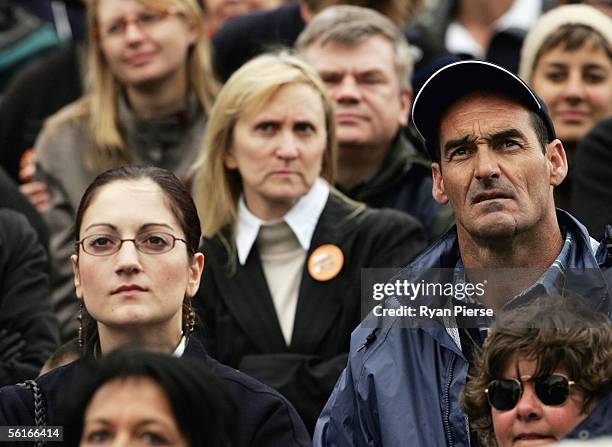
(545, 371)
(150, 89)
(135, 274)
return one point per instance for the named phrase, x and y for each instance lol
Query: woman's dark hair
(180, 202)
(204, 410)
(557, 332)
(176, 193)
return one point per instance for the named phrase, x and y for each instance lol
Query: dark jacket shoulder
(597, 424)
(249, 35)
(266, 417)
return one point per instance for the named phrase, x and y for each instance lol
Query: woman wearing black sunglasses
(542, 371)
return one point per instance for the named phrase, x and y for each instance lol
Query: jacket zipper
(446, 401)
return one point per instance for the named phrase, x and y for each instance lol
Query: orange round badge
(325, 262)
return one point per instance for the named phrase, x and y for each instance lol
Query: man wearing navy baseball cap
(496, 161)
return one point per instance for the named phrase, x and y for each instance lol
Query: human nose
(529, 407)
(121, 440)
(133, 31)
(486, 165)
(288, 148)
(347, 91)
(127, 258)
(574, 90)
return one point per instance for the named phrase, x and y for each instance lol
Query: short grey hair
(351, 25)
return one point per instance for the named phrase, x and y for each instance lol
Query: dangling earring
(80, 318)
(189, 315)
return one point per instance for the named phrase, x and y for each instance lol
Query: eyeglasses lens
(504, 394)
(552, 390)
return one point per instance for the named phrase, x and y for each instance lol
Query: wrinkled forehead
(488, 109)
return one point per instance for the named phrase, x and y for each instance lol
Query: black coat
(591, 190)
(28, 329)
(266, 418)
(32, 96)
(241, 328)
(250, 35)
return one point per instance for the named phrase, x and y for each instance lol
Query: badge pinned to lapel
(325, 262)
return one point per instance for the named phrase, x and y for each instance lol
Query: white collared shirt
(522, 14)
(302, 218)
(180, 349)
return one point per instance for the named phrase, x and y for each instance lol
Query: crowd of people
(197, 194)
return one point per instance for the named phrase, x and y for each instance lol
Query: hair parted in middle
(217, 188)
(559, 333)
(351, 25)
(182, 206)
(101, 100)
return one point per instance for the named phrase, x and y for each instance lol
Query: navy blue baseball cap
(454, 81)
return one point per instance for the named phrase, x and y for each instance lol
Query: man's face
(492, 168)
(365, 86)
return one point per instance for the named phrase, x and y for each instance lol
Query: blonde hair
(217, 188)
(100, 104)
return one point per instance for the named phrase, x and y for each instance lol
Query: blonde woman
(281, 287)
(150, 90)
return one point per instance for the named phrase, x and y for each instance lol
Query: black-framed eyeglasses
(552, 390)
(154, 243)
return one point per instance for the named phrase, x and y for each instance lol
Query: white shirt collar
(180, 349)
(522, 14)
(302, 218)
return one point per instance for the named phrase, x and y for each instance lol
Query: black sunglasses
(552, 390)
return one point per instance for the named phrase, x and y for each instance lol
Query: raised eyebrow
(451, 144)
(505, 134)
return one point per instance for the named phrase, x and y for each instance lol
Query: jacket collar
(302, 218)
(401, 157)
(583, 275)
(588, 253)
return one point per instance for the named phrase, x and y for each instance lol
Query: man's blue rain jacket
(402, 385)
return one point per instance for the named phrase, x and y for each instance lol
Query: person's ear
(195, 274)
(74, 259)
(437, 191)
(305, 11)
(557, 159)
(405, 104)
(229, 160)
(194, 33)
